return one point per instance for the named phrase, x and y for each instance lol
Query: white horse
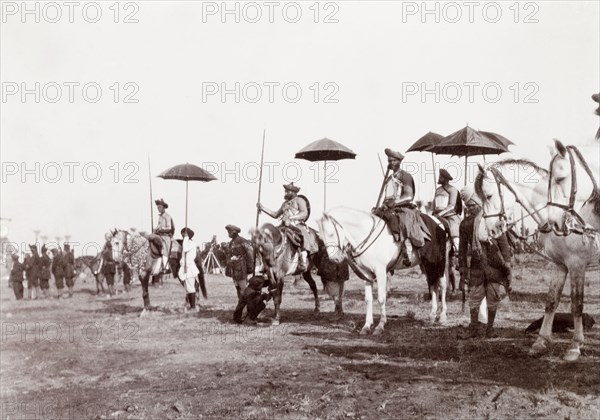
(571, 247)
(368, 245)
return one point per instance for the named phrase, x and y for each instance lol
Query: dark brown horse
(280, 259)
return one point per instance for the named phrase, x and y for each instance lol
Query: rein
(353, 252)
(570, 225)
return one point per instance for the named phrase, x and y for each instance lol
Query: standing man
(188, 271)
(447, 205)
(240, 259)
(16, 276)
(399, 211)
(293, 213)
(32, 272)
(109, 268)
(58, 271)
(484, 264)
(165, 228)
(69, 268)
(45, 273)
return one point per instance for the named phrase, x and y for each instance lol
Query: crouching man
(254, 299)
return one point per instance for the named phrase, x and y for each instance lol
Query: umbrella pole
(151, 209)
(186, 203)
(324, 186)
(466, 170)
(433, 163)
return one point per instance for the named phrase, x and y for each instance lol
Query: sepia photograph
(295, 210)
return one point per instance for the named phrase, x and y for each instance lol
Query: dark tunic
(16, 278)
(68, 262)
(32, 268)
(492, 264)
(45, 274)
(58, 271)
(239, 268)
(109, 268)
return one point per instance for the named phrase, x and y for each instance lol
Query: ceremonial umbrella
(324, 150)
(187, 172)
(469, 142)
(424, 143)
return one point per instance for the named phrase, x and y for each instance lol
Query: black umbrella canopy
(325, 149)
(470, 142)
(187, 172)
(428, 140)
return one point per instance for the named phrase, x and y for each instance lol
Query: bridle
(573, 222)
(351, 251)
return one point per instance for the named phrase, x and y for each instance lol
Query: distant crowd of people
(38, 268)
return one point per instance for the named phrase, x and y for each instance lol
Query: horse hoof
(145, 313)
(275, 321)
(378, 331)
(572, 355)
(443, 319)
(432, 318)
(365, 330)
(539, 347)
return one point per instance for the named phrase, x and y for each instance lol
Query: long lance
(262, 155)
(151, 201)
(385, 177)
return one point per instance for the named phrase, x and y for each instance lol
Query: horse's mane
(275, 233)
(522, 162)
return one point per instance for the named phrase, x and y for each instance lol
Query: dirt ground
(93, 357)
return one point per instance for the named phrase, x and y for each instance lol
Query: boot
(70, 291)
(489, 330)
(38, 293)
(192, 300)
(474, 330)
(29, 293)
(46, 294)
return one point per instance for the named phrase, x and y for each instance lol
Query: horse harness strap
(569, 209)
(351, 250)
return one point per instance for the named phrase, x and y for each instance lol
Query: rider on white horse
(294, 212)
(399, 211)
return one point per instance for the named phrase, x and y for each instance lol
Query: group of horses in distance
(563, 200)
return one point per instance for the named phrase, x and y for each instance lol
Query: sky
(99, 99)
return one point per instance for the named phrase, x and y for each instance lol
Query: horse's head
(118, 241)
(560, 184)
(493, 205)
(332, 236)
(266, 239)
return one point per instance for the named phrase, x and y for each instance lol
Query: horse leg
(369, 301)
(340, 308)
(433, 290)
(443, 291)
(313, 286)
(577, 283)
(145, 279)
(541, 344)
(382, 298)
